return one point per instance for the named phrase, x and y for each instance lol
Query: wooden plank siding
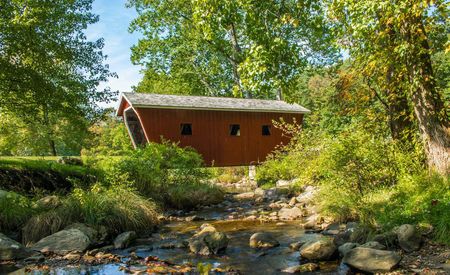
(210, 133)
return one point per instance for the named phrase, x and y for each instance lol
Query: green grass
(116, 208)
(44, 175)
(15, 211)
(42, 164)
(190, 196)
(228, 174)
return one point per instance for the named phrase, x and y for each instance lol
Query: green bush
(418, 199)
(229, 174)
(15, 210)
(109, 137)
(365, 176)
(190, 196)
(165, 173)
(117, 207)
(293, 160)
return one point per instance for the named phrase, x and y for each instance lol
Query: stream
(166, 244)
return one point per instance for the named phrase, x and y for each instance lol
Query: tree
(231, 47)
(397, 40)
(109, 137)
(18, 137)
(49, 72)
(175, 53)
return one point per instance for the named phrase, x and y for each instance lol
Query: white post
(252, 173)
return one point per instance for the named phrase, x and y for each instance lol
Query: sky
(113, 27)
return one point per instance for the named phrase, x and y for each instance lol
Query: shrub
(365, 176)
(293, 160)
(229, 174)
(109, 138)
(189, 196)
(116, 207)
(422, 198)
(165, 173)
(158, 165)
(15, 210)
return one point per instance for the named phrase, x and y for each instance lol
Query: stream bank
(290, 220)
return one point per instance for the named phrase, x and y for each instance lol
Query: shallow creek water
(238, 255)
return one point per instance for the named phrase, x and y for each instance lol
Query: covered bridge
(225, 131)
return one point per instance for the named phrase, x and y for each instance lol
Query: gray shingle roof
(145, 100)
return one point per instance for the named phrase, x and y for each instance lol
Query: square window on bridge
(186, 129)
(235, 130)
(266, 130)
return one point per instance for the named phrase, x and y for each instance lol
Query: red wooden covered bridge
(225, 131)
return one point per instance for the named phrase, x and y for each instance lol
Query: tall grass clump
(15, 210)
(116, 207)
(190, 196)
(422, 198)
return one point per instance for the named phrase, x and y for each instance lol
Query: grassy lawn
(41, 164)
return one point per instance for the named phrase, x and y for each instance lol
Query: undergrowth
(15, 211)
(129, 193)
(364, 176)
(172, 176)
(117, 208)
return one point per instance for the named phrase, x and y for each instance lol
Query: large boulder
(208, 241)
(290, 213)
(313, 221)
(371, 260)
(346, 247)
(269, 194)
(98, 236)
(216, 242)
(409, 237)
(124, 240)
(263, 240)
(319, 250)
(352, 233)
(332, 229)
(305, 238)
(63, 242)
(12, 250)
(88, 231)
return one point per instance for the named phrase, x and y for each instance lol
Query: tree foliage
(109, 137)
(49, 72)
(241, 48)
(393, 44)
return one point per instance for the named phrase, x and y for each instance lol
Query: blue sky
(113, 27)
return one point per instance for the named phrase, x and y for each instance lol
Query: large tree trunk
(51, 142)
(429, 110)
(435, 134)
(48, 127)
